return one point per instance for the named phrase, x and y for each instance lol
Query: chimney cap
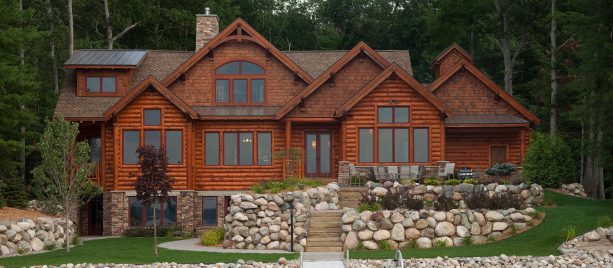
(207, 11)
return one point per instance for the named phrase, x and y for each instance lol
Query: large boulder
(358, 225)
(462, 231)
(382, 235)
(247, 205)
(350, 216)
(423, 242)
(494, 216)
(370, 245)
(397, 232)
(365, 234)
(411, 233)
(499, 226)
(379, 191)
(351, 241)
(444, 229)
(421, 224)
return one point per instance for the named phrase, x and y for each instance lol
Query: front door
(318, 154)
(498, 154)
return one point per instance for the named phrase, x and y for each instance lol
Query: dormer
(448, 58)
(104, 72)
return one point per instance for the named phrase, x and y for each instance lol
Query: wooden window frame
(100, 78)
(374, 157)
(318, 133)
(394, 114)
(123, 149)
(238, 148)
(151, 109)
(394, 144)
(256, 150)
(231, 77)
(429, 143)
(216, 211)
(221, 163)
(144, 212)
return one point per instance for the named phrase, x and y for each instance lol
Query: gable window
(393, 115)
(105, 84)
(152, 117)
(240, 82)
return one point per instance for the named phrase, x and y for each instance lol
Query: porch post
(443, 138)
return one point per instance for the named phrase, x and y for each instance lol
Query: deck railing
(95, 174)
(292, 168)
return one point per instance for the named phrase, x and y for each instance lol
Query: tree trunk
(56, 87)
(109, 26)
(553, 113)
(155, 233)
(22, 62)
(70, 29)
(508, 65)
(67, 231)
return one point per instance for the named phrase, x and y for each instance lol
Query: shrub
(453, 182)
(369, 207)
(535, 214)
(604, 222)
(548, 162)
(501, 170)
(289, 184)
(21, 250)
(384, 245)
(14, 193)
(360, 246)
(513, 229)
(444, 203)
(145, 231)
(432, 181)
(411, 243)
(390, 201)
(479, 199)
(49, 246)
(469, 240)
(568, 233)
(212, 237)
(471, 181)
(413, 204)
(440, 244)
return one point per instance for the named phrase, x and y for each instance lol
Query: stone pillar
(115, 210)
(185, 210)
(343, 173)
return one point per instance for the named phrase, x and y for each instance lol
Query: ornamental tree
(61, 179)
(152, 182)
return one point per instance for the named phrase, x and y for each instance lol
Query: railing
(292, 168)
(95, 175)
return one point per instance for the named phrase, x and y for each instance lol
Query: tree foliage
(61, 179)
(549, 162)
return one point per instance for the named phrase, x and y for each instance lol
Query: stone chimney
(207, 27)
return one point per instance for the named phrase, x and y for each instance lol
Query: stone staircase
(325, 231)
(350, 196)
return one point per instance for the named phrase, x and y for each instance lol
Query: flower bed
(27, 235)
(429, 228)
(258, 221)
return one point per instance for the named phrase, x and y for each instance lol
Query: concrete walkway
(322, 260)
(193, 245)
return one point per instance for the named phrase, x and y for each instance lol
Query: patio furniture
(380, 173)
(415, 172)
(392, 173)
(447, 171)
(361, 175)
(405, 172)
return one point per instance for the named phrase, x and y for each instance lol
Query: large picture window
(239, 148)
(240, 82)
(166, 213)
(131, 141)
(366, 146)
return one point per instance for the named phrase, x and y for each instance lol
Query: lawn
(133, 250)
(542, 240)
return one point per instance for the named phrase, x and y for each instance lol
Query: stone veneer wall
(32, 235)
(426, 227)
(258, 221)
(530, 194)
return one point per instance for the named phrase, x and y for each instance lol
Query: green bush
(369, 206)
(440, 244)
(212, 237)
(289, 184)
(384, 245)
(453, 182)
(471, 181)
(146, 231)
(14, 193)
(501, 169)
(469, 240)
(432, 181)
(548, 162)
(568, 233)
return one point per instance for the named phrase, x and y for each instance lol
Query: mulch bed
(14, 214)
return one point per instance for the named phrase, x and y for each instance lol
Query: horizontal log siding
(198, 89)
(213, 178)
(299, 131)
(109, 158)
(350, 79)
(471, 147)
(131, 118)
(422, 114)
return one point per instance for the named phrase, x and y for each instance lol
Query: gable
(324, 101)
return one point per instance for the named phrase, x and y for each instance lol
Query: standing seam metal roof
(102, 57)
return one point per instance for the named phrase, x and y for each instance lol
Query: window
(131, 141)
(239, 82)
(230, 150)
(152, 117)
(105, 84)
(393, 115)
(211, 146)
(143, 216)
(174, 146)
(264, 148)
(238, 149)
(94, 148)
(420, 145)
(209, 210)
(366, 145)
(153, 137)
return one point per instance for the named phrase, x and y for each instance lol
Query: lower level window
(209, 211)
(143, 216)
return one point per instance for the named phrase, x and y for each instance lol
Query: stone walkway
(192, 245)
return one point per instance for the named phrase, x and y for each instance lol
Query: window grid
(251, 79)
(220, 138)
(100, 81)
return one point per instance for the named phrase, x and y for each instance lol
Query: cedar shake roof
(315, 62)
(484, 119)
(127, 58)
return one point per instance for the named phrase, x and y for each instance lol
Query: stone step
(337, 224)
(327, 212)
(311, 244)
(319, 238)
(326, 218)
(324, 249)
(354, 189)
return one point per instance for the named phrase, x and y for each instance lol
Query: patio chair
(415, 172)
(392, 173)
(353, 172)
(380, 173)
(447, 171)
(405, 172)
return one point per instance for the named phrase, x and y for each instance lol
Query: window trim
(372, 144)
(100, 77)
(231, 77)
(144, 212)
(216, 211)
(221, 163)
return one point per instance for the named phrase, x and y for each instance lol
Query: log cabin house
(223, 111)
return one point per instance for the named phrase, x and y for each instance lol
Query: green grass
(132, 250)
(541, 240)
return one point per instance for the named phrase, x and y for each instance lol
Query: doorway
(498, 154)
(318, 161)
(94, 216)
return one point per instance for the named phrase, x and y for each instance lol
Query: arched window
(239, 82)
